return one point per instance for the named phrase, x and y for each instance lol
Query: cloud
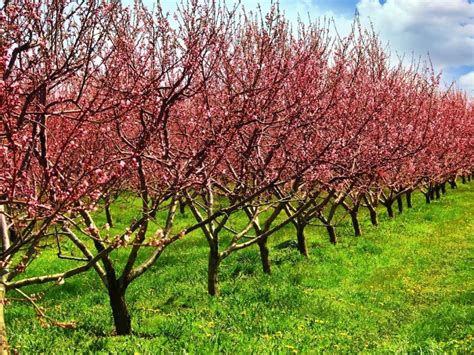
(466, 81)
(442, 28)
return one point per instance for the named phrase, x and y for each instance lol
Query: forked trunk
(122, 319)
(264, 255)
(212, 273)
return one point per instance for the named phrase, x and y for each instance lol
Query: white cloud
(442, 28)
(466, 81)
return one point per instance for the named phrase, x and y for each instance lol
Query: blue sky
(442, 28)
(347, 7)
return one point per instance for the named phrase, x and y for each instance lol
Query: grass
(404, 286)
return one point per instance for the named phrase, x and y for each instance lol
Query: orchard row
(227, 114)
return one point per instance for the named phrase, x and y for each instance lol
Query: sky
(444, 29)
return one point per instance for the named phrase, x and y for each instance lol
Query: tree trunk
(453, 184)
(389, 209)
(427, 197)
(4, 233)
(432, 193)
(355, 224)
(108, 215)
(302, 247)
(3, 328)
(463, 179)
(332, 234)
(264, 255)
(437, 191)
(468, 177)
(400, 203)
(5, 244)
(373, 215)
(122, 319)
(443, 188)
(408, 198)
(182, 206)
(212, 273)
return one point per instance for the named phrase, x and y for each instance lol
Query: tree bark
(437, 191)
(389, 209)
(443, 188)
(373, 215)
(453, 184)
(408, 198)
(5, 240)
(427, 197)
(356, 224)
(212, 273)
(3, 328)
(332, 234)
(108, 215)
(432, 193)
(4, 232)
(264, 255)
(463, 179)
(122, 319)
(302, 247)
(400, 204)
(182, 206)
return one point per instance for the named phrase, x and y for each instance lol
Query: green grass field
(404, 286)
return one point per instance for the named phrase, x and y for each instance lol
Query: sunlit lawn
(406, 285)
